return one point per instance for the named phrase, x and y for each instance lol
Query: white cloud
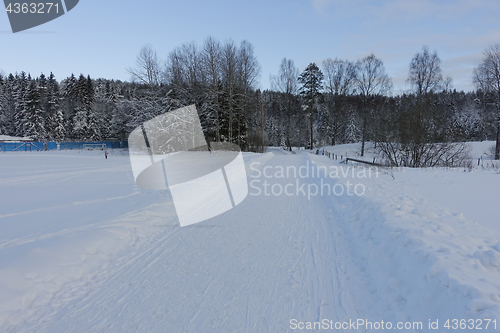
(409, 9)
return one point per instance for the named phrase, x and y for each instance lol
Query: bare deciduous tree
(148, 69)
(339, 83)
(425, 77)
(371, 79)
(286, 80)
(229, 76)
(220, 79)
(184, 70)
(425, 72)
(286, 83)
(192, 65)
(339, 76)
(249, 67)
(210, 59)
(248, 72)
(487, 78)
(420, 140)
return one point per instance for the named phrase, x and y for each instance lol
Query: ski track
(252, 269)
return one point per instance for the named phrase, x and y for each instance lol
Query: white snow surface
(82, 249)
(13, 138)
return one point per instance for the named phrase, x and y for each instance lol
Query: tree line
(339, 101)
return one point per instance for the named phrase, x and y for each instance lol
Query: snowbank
(418, 260)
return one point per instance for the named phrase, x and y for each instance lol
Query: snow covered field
(83, 249)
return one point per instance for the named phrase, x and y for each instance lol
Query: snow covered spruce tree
(487, 79)
(7, 106)
(53, 112)
(34, 124)
(85, 122)
(69, 102)
(2, 112)
(19, 93)
(93, 125)
(311, 80)
(80, 120)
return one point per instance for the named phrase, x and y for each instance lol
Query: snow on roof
(13, 138)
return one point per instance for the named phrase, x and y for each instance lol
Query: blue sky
(102, 38)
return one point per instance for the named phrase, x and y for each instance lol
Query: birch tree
(487, 78)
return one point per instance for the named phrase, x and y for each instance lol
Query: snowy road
(252, 269)
(91, 252)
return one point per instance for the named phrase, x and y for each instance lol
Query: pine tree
(311, 80)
